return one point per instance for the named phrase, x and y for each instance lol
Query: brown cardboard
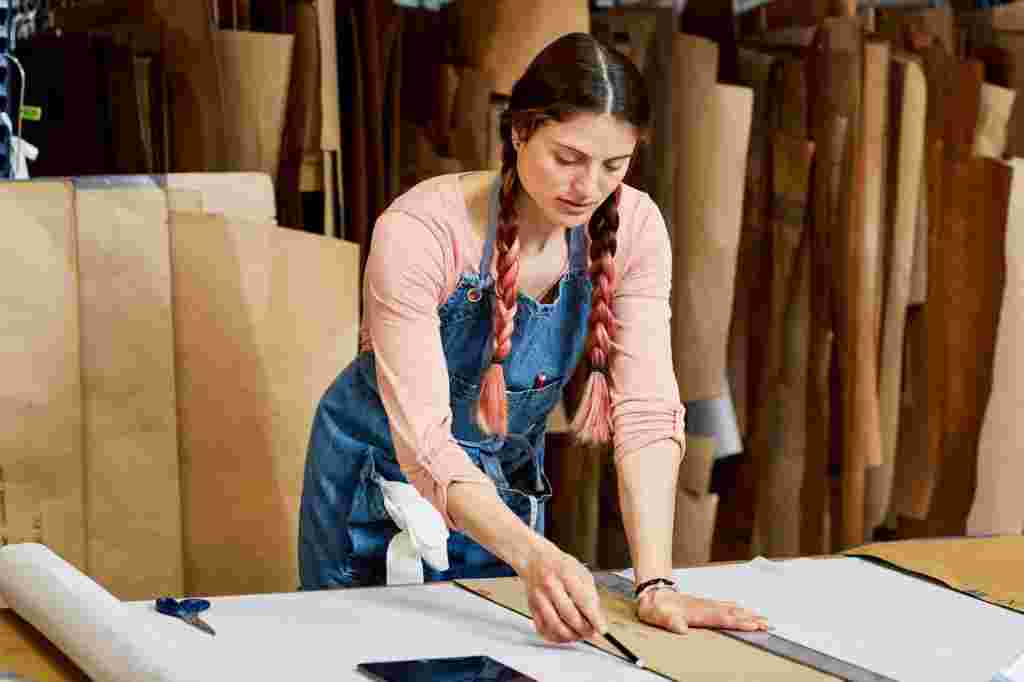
(330, 113)
(998, 506)
(255, 71)
(243, 196)
(694, 529)
(780, 433)
(988, 568)
(194, 76)
(185, 200)
(907, 157)
(698, 461)
(699, 655)
(503, 36)
(40, 395)
(127, 362)
(255, 349)
(993, 119)
(712, 133)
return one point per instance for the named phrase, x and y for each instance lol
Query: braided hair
(574, 74)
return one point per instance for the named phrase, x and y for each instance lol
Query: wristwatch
(659, 583)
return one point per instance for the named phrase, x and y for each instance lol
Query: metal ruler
(767, 641)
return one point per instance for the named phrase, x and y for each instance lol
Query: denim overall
(344, 528)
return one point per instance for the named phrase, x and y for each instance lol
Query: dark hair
(574, 74)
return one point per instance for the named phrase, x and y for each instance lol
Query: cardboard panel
(780, 435)
(40, 396)
(256, 348)
(907, 157)
(243, 196)
(701, 654)
(197, 100)
(127, 356)
(503, 36)
(993, 120)
(255, 71)
(988, 568)
(998, 506)
(712, 131)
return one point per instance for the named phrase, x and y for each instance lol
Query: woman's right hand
(561, 594)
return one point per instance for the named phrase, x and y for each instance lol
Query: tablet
(459, 669)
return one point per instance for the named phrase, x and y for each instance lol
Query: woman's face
(569, 167)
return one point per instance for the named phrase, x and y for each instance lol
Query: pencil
(624, 650)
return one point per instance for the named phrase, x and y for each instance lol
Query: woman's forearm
(647, 497)
(482, 515)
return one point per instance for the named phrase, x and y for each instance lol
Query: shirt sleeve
(646, 408)
(406, 278)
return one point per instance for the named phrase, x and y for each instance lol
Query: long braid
(492, 410)
(592, 422)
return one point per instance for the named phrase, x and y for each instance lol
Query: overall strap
(492, 232)
(578, 248)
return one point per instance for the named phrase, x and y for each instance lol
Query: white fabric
(424, 534)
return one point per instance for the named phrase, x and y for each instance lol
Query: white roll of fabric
(108, 639)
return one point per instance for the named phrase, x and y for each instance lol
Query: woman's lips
(573, 207)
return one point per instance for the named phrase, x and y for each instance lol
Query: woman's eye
(565, 161)
(613, 167)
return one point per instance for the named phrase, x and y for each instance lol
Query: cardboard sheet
(988, 568)
(42, 465)
(255, 72)
(997, 105)
(780, 430)
(833, 605)
(327, 39)
(244, 196)
(197, 101)
(713, 136)
(998, 505)
(265, 319)
(907, 113)
(130, 422)
(503, 36)
(700, 655)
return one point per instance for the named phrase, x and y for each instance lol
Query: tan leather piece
(907, 116)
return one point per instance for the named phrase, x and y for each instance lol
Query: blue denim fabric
(344, 529)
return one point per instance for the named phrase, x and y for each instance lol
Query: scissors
(188, 610)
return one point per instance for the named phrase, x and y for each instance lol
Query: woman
(482, 291)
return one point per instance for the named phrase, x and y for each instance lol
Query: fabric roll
(995, 107)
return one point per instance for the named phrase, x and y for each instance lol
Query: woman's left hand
(679, 612)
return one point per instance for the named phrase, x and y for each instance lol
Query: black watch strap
(650, 583)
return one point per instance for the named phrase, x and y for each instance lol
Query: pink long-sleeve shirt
(421, 245)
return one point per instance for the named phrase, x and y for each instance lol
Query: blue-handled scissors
(188, 610)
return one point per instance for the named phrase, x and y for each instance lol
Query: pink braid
(592, 422)
(492, 411)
